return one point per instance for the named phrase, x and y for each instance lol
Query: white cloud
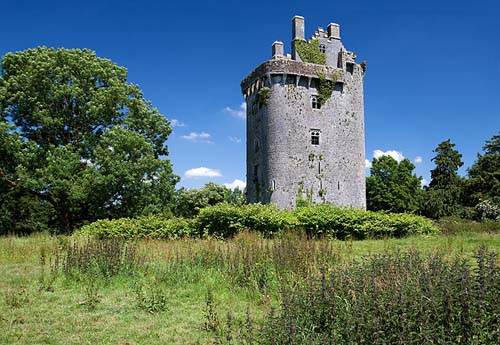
(418, 159)
(236, 184)
(241, 112)
(368, 164)
(235, 140)
(177, 123)
(424, 182)
(202, 172)
(198, 137)
(393, 153)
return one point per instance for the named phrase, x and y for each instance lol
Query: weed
(151, 297)
(17, 297)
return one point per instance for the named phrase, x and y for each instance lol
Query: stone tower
(305, 123)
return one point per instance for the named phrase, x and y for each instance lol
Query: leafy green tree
(484, 175)
(80, 139)
(392, 186)
(190, 201)
(443, 197)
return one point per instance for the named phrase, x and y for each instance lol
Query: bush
(153, 227)
(342, 223)
(225, 220)
(222, 220)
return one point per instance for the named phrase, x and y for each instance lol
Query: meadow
(439, 288)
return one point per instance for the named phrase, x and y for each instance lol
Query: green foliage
(83, 145)
(325, 88)
(392, 299)
(151, 296)
(225, 221)
(484, 175)
(263, 96)
(189, 202)
(342, 223)
(96, 258)
(456, 225)
(221, 221)
(444, 195)
(447, 161)
(392, 186)
(152, 227)
(309, 51)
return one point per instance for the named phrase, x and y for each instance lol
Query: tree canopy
(392, 186)
(443, 197)
(79, 140)
(484, 174)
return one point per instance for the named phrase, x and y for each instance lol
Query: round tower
(305, 123)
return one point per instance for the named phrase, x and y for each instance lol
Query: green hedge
(154, 227)
(342, 223)
(225, 221)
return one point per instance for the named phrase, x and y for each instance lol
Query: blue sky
(433, 67)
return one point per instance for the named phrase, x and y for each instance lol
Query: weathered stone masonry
(295, 145)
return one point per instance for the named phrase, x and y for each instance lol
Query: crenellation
(287, 135)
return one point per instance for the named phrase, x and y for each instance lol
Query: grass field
(177, 292)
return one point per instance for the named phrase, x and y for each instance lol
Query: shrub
(153, 227)
(342, 223)
(222, 220)
(226, 220)
(266, 219)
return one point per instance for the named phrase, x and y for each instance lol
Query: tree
(79, 138)
(484, 175)
(447, 161)
(392, 186)
(444, 195)
(190, 201)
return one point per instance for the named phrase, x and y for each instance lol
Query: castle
(305, 123)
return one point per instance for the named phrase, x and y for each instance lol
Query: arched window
(315, 136)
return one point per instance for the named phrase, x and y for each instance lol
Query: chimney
(277, 49)
(297, 33)
(333, 31)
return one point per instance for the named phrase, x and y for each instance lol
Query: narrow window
(315, 136)
(255, 172)
(274, 185)
(322, 48)
(338, 185)
(349, 67)
(315, 102)
(319, 167)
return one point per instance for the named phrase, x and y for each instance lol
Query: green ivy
(325, 88)
(309, 51)
(263, 96)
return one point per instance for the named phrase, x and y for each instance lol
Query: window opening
(322, 48)
(274, 185)
(319, 167)
(349, 67)
(315, 136)
(315, 102)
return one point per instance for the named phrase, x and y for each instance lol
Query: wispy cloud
(177, 123)
(393, 153)
(236, 184)
(418, 159)
(368, 164)
(202, 137)
(202, 172)
(241, 112)
(235, 140)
